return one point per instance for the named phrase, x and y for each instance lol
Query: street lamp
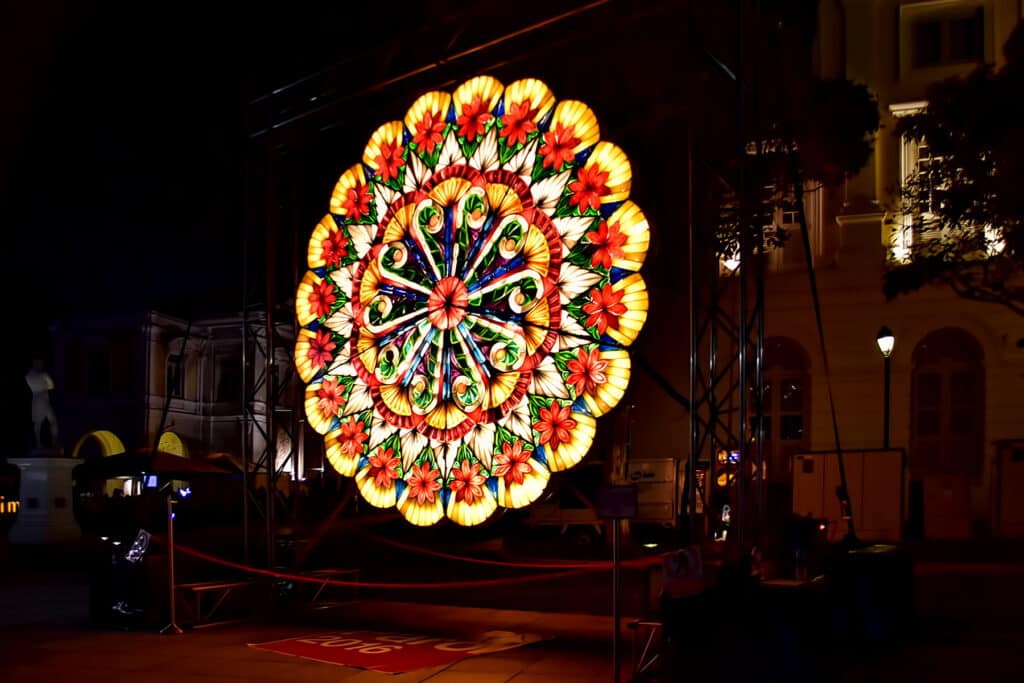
(885, 340)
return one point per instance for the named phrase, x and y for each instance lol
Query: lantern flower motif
(608, 240)
(423, 483)
(469, 301)
(587, 371)
(320, 349)
(513, 463)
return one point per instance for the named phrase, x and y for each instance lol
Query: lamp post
(885, 340)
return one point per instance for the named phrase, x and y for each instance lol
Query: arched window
(785, 406)
(947, 427)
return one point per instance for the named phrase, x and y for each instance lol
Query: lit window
(916, 165)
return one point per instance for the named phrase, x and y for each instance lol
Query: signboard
(393, 653)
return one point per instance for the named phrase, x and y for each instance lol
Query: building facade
(957, 366)
(135, 377)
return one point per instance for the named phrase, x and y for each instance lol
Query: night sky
(122, 141)
(124, 133)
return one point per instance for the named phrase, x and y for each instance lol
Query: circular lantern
(469, 300)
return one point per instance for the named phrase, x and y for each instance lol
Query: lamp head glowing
(885, 340)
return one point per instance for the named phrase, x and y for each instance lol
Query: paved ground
(45, 635)
(969, 626)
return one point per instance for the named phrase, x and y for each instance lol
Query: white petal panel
(547, 380)
(485, 157)
(547, 192)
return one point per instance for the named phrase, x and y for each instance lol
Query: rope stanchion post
(172, 628)
(616, 596)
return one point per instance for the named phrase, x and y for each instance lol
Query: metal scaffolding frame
(726, 342)
(726, 311)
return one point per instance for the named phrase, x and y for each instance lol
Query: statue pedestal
(45, 512)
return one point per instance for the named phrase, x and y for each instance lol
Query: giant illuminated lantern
(469, 300)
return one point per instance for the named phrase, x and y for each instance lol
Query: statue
(40, 382)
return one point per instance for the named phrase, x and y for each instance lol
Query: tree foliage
(961, 213)
(802, 128)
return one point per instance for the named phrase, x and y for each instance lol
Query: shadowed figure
(40, 382)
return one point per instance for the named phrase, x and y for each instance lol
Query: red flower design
(320, 349)
(469, 483)
(609, 240)
(588, 188)
(423, 483)
(357, 201)
(352, 437)
(428, 132)
(587, 371)
(322, 298)
(384, 468)
(330, 396)
(335, 248)
(517, 123)
(473, 119)
(513, 463)
(604, 308)
(555, 426)
(558, 146)
(389, 161)
(446, 305)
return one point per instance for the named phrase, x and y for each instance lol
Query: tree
(802, 129)
(961, 213)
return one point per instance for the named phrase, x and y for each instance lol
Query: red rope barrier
(603, 565)
(362, 584)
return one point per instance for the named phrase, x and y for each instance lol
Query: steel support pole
(616, 599)
(172, 628)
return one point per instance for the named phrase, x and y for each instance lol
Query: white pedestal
(46, 514)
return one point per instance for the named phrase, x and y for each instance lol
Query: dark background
(135, 139)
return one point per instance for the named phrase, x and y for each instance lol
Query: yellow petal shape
(503, 200)
(315, 252)
(350, 179)
(501, 387)
(447, 191)
(469, 515)
(390, 133)
(520, 495)
(536, 252)
(435, 103)
(395, 398)
(538, 321)
(316, 417)
(537, 92)
(303, 363)
(583, 122)
(398, 225)
(612, 160)
(343, 464)
(634, 297)
(303, 307)
(568, 454)
(444, 416)
(375, 495)
(488, 89)
(424, 514)
(608, 395)
(632, 224)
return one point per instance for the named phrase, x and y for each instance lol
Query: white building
(957, 367)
